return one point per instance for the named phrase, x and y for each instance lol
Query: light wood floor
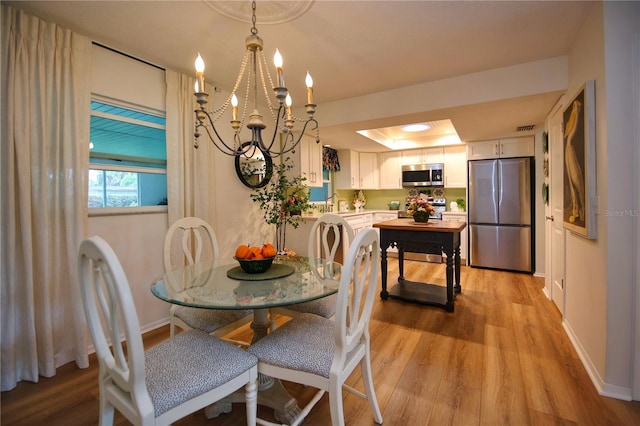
(501, 358)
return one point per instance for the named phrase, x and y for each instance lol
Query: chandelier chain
(254, 30)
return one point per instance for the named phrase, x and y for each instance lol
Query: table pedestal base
(271, 393)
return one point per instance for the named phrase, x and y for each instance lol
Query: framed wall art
(579, 170)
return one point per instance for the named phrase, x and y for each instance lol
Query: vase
(421, 217)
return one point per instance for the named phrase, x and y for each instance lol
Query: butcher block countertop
(431, 226)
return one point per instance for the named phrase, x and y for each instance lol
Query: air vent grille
(525, 128)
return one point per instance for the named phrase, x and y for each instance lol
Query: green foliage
(281, 196)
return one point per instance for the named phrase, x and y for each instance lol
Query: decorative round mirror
(255, 167)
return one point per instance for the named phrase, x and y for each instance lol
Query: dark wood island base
(431, 237)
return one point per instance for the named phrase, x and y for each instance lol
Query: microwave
(417, 175)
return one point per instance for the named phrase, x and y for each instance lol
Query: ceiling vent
(525, 128)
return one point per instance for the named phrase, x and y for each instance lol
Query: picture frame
(579, 168)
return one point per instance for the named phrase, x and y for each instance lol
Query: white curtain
(44, 160)
(190, 171)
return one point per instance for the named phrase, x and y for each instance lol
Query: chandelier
(283, 139)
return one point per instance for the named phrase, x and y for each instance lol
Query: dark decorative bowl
(255, 266)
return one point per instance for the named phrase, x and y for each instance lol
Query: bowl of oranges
(255, 259)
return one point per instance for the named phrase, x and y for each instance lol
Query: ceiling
(352, 48)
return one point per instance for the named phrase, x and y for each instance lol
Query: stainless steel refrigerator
(500, 209)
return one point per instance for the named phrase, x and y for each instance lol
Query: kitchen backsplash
(379, 199)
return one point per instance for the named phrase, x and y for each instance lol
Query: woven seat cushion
(306, 343)
(325, 307)
(188, 365)
(209, 320)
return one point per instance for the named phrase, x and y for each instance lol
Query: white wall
(621, 24)
(137, 239)
(599, 284)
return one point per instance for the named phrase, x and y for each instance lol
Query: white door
(557, 257)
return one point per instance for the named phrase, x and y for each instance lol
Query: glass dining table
(222, 284)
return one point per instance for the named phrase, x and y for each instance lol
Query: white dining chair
(168, 381)
(325, 239)
(322, 353)
(195, 236)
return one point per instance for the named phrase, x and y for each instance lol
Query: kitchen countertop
(316, 215)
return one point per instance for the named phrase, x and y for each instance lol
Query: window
(321, 194)
(128, 156)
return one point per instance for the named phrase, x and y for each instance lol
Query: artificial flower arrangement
(358, 200)
(420, 209)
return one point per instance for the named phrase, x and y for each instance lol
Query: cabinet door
(517, 147)
(390, 170)
(432, 155)
(310, 155)
(455, 167)
(422, 156)
(368, 162)
(482, 150)
(315, 162)
(348, 177)
(412, 156)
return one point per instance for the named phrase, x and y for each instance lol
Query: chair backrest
(110, 311)
(356, 293)
(192, 245)
(325, 238)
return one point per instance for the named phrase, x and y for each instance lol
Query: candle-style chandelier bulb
(250, 79)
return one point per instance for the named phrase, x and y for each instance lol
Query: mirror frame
(268, 165)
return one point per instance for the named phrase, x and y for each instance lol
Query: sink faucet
(326, 202)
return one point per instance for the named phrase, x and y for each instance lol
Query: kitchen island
(432, 237)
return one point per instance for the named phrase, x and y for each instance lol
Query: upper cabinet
(368, 162)
(349, 175)
(422, 156)
(310, 160)
(358, 170)
(455, 166)
(501, 148)
(390, 170)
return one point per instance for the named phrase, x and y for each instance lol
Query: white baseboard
(604, 389)
(152, 326)
(545, 290)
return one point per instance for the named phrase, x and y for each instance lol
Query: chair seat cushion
(188, 365)
(325, 307)
(306, 343)
(209, 320)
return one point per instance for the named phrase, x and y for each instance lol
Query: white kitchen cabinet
(310, 160)
(458, 217)
(381, 217)
(359, 222)
(390, 164)
(422, 156)
(501, 148)
(349, 175)
(358, 170)
(455, 166)
(368, 170)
